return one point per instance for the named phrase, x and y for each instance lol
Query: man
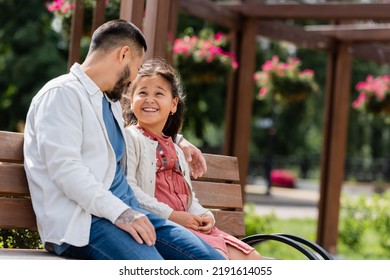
(75, 161)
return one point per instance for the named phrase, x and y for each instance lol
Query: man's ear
(124, 52)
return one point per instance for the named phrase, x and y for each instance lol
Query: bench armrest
(306, 247)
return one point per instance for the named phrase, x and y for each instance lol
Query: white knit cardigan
(141, 174)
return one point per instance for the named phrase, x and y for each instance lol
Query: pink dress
(172, 189)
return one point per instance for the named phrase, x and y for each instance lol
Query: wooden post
(133, 11)
(172, 28)
(156, 27)
(98, 14)
(76, 33)
(230, 102)
(242, 116)
(337, 105)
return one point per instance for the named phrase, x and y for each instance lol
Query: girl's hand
(207, 224)
(186, 219)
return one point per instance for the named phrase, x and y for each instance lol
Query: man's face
(126, 76)
(121, 85)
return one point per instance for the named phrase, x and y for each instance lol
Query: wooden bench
(219, 190)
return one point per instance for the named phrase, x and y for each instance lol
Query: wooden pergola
(353, 30)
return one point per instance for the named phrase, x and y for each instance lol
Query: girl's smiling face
(152, 102)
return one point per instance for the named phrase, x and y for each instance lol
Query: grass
(305, 228)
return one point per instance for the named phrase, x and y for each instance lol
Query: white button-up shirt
(69, 161)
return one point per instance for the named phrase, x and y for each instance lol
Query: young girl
(157, 170)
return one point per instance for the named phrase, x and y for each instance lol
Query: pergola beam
(211, 12)
(312, 37)
(329, 11)
(353, 32)
(380, 53)
(279, 30)
(225, 14)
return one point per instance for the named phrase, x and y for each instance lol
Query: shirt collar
(86, 81)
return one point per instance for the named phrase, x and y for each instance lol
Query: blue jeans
(174, 242)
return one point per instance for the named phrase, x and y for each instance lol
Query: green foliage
(20, 238)
(29, 56)
(203, 110)
(355, 217)
(381, 218)
(371, 239)
(360, 214)
(257, 224)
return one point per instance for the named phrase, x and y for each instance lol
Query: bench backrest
(218, 189)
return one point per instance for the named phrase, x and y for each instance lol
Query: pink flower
(275, 76)
(359, 102)
(62, 7)
(308, 72)
(219, 36)
(372, 90)
(207, 49)
(267, 66)
(59, 6)
(263, 91)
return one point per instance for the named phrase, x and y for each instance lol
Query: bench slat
(28, 254)
(230, 222)
(11, 148)
(16, 213)
(218, 195)
(13, 180)
(221, 168)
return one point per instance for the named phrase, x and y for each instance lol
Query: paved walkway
(299, 202)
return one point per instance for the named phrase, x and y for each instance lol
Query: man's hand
(194, 157)
(138, 225)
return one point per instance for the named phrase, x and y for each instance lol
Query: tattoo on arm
(129, 216)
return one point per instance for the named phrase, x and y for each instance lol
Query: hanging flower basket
(202, 58)
(374, 95)
(63, 11)
(284, 81)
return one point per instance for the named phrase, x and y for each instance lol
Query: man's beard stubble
(120, 86)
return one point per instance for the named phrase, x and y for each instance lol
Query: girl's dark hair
(161, 68)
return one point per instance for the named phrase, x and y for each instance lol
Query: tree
(29, 56)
